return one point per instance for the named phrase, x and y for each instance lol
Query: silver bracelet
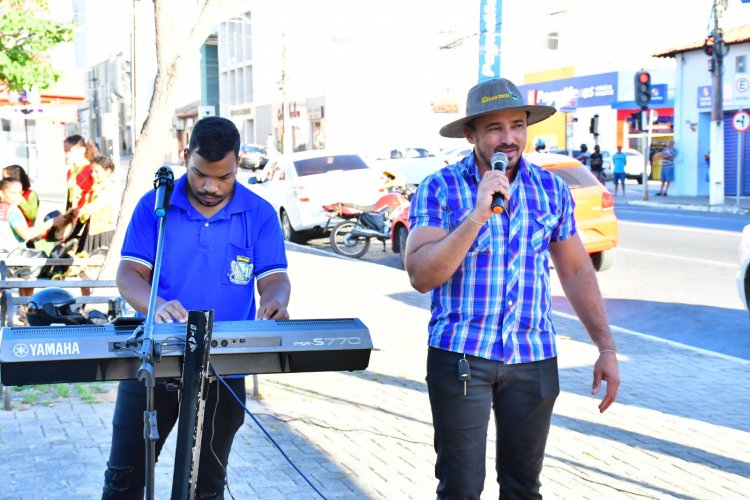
(607, 350)
(472, 219)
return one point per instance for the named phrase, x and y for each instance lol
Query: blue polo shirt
(209, 263)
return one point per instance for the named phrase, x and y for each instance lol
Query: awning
(667, 104)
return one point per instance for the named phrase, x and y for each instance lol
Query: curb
(694, 208)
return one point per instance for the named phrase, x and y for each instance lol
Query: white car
(410, 164)
(454, 155)
(299, 184)
(634, 165)
(743, 275)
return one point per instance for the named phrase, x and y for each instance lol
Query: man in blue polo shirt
(491, 339)
(221, 240)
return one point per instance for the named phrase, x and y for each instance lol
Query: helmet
(52, 305)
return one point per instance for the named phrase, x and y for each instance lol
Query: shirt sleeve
(140, 239)
(427, 206)
(269, 253)
(566, 226)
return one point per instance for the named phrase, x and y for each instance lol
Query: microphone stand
(163, 183)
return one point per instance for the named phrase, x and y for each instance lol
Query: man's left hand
(606, 369)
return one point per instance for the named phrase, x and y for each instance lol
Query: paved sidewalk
(680, 428)
(634, 196)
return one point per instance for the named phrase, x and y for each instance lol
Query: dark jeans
(522, 396)
(126, 471)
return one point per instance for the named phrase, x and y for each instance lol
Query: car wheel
(344, 243)
(603, 260)
(288, 231)
(403, 233)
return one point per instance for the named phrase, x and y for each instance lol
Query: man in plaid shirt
(491, 338)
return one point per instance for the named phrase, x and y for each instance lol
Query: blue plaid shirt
(497, 305)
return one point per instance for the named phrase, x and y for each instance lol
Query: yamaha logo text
(46, 349)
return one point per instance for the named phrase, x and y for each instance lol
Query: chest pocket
(482, 241)
(238, 266)
(541, 225)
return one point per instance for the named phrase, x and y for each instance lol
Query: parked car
(594, 213)
(413, 164)
(253, 156)
(743, 275)
(634, 165)
(454, 155)
(299, 184)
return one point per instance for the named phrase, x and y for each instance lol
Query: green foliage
(26, 36)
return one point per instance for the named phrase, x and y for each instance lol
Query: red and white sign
(741, 121)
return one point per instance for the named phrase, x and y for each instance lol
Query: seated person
(30, 204)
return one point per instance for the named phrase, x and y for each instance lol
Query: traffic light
(594, 125)
(642, 88)
(708, 45)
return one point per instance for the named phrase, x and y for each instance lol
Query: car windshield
(323, 164)
(577, 177)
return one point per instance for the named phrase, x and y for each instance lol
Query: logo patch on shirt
(242, 271)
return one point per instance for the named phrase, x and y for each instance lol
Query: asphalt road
(674, 278)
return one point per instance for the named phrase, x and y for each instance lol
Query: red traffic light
(642, 88)
(708, 45)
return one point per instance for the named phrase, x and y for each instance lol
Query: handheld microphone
(499, 161)
(163, 183)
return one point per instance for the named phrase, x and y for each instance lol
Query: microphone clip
(163, 184)
(164, 177)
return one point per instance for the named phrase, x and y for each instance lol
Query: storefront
(599, 109)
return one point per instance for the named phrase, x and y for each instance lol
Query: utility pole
(717, 50)
(286, 139)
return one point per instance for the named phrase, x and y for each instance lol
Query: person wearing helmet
(222, 243)
(52, 306)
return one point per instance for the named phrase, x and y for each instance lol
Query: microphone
(499, 161)
(163, 183)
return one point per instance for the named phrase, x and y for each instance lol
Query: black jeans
(522, 396)
(126, 472)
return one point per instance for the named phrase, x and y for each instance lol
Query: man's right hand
(169, 312)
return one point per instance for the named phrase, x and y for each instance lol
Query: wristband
(472, 219)
(607, 350)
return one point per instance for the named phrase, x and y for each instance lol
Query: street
(673, 278)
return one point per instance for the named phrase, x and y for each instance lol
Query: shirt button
(510, 302)
(206, 224)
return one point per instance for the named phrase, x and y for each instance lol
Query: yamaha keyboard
(89, 353)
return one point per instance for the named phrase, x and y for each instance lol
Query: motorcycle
(355, 225)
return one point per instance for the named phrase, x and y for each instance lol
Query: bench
(9, 300)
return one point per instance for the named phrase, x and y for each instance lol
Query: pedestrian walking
(491, 339)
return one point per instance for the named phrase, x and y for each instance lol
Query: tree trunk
(173, 55)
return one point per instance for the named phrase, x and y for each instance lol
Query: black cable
(260, 425)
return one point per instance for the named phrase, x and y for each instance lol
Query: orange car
(594, 213)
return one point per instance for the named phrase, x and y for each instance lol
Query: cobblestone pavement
(680, 428)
